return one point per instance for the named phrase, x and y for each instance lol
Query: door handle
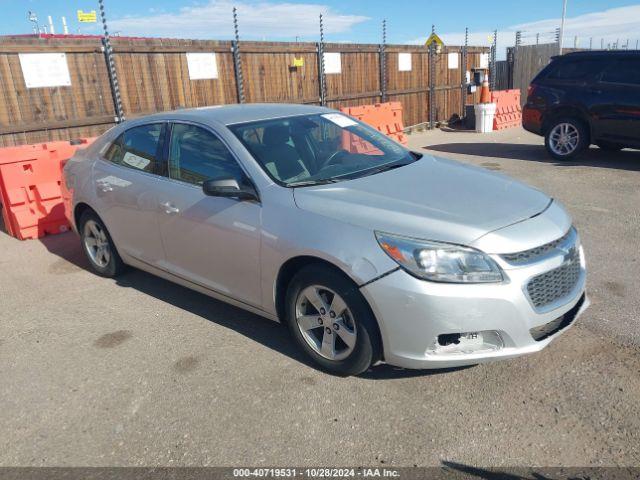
(104, 186)
(170, 209)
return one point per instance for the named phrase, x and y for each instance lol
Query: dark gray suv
(586, 98)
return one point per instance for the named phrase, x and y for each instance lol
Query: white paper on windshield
(404, 62)
(332, 62)
(135, 161)
(340, 120)
(41, 70)
(453, 60)
(202, 66)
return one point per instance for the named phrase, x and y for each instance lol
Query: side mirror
(229, 187)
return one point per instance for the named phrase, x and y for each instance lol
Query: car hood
(432, 198)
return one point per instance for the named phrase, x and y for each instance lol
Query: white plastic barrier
(484, 117)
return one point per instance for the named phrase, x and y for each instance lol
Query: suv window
(137, 148)
(196, 155)
(623, 71)
(576, 69)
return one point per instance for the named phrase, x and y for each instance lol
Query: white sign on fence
(404, 62)
(41, 70)
(202, 66)
(453, 60)
(332, 62)
(484, 60)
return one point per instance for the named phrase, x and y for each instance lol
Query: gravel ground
(142, 372)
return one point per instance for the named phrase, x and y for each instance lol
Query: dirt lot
(142, 372)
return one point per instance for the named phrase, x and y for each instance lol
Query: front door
(211, 241)
(618, 109)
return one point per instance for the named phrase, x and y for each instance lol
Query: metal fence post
(432, 82)
(321, 76)
(111, 67)
(237, 61)
(492, 69)
(383, 63)
(463, 74)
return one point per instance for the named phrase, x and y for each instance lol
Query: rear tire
(99, 247)
(331, 321)
(610, 147)
(566, 138)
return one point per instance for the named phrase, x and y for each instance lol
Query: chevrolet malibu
(366, 250)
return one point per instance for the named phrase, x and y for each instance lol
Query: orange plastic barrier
(30, 178)
(384, 117)
(508, 110)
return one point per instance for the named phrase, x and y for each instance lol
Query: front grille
(554, 326)
(555, 284)
(532, 254)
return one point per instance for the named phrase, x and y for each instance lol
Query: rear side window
(582, 69)
(625, 72)
(137, 148)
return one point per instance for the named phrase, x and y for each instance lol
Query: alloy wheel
(326, 323)
(96, 243)
(564, 139)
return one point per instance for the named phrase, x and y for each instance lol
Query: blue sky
(346, 20)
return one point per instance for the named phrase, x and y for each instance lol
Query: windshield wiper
(386, 168)
(307, 183)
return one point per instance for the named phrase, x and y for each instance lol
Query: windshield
(321, 148)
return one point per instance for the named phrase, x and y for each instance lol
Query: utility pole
(564, 14)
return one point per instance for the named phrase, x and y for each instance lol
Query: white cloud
(256, 21)
(610, 25)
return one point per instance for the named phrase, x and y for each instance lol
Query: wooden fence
(153, 76)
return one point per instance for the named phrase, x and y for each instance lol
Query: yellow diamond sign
(433, 38)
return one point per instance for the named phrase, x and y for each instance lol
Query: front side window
(137, 148)
(321, 148)
(624, 72)
(196, 155)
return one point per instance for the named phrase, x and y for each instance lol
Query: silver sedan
(367, 251)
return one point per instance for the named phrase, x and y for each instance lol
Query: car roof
(232, 114)
(599, 53)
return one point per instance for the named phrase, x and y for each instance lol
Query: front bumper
(412, 313)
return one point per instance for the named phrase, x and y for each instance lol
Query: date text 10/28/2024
(315, 473)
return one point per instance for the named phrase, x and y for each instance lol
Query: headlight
(440, 262)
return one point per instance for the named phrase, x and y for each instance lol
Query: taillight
(530, 90)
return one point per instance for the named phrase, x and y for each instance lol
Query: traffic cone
(485, 93)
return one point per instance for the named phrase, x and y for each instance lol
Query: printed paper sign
(453, 60)
(339, 120)
(484, 60)
(202, 66)
(404, 62)
(332, 62)
(135, 161)
(42, 70)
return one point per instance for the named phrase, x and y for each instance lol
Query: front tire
(99, 247)
(566, 138)
(331, 321)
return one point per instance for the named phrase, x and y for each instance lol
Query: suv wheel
(331, 321)
(610, 147)
(566, 138)
(98, 246)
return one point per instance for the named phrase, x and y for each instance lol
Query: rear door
(211, 241)
(125, 179)
(618, 104)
